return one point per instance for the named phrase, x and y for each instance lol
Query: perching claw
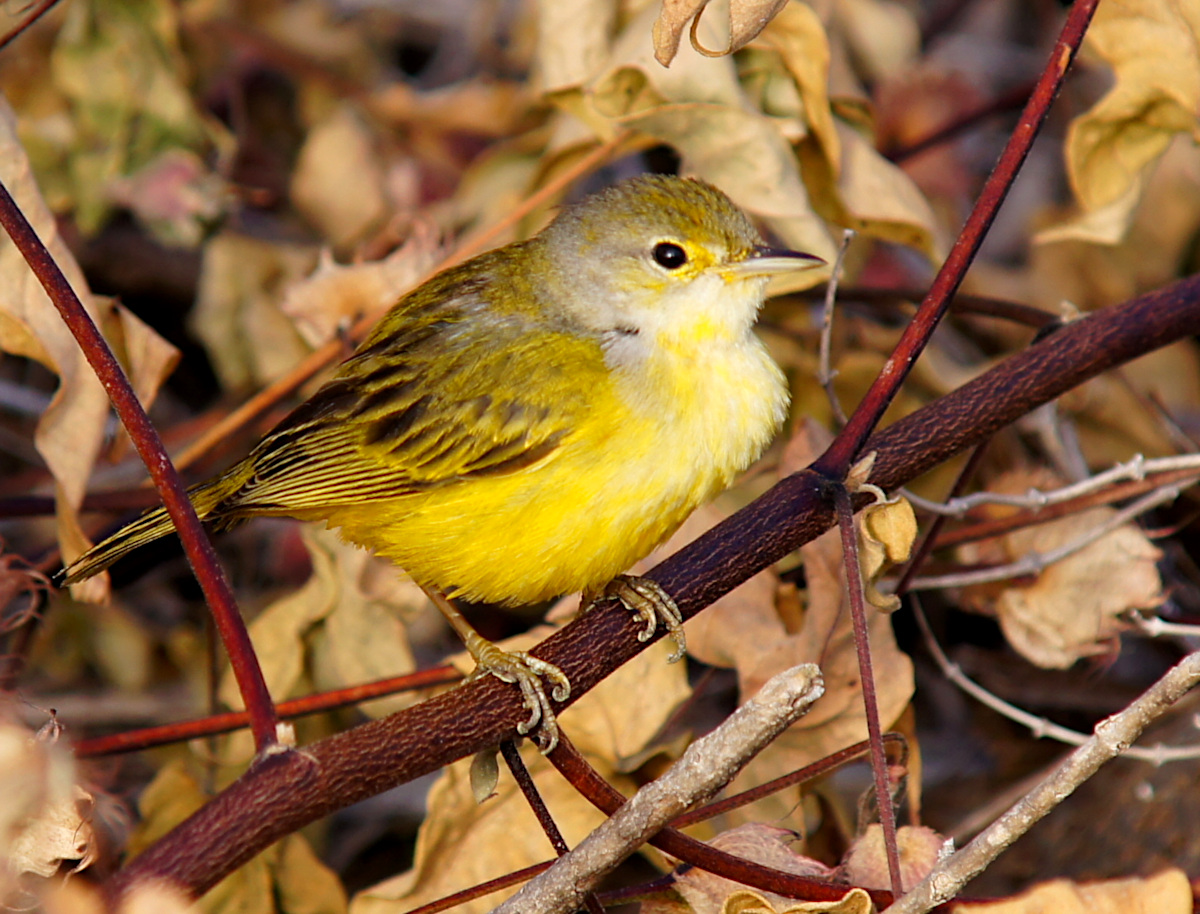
(651, 603)
(512, 666)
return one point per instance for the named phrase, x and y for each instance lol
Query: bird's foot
(527, 673)
(651, 603)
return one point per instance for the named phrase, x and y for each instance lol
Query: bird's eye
(669, 255)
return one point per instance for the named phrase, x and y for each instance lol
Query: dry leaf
(335, 295)
(1153, 47)
(744, 20)
(855, 901)
(573, 41)
(43, 816)
(338, 183)
(920, 849)
(886, 533)
(237, 314)
(1073, 608)
(119, 64)
(174, 196)
(345, 625)
(60, 832)
(1166, 893)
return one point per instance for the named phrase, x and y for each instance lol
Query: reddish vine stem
(866, 674)
(835, 462)
(215, 724)
(196, 544)
(31, 15)
(829, 763)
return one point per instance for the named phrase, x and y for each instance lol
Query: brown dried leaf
(339, 180)
(886, 533)
(672, 19)
(344, 626)
(43, 816)
(120, 65)
(746, 19)
(1152, 46)
(855, 901)
(799, 37)
(1166, 893)
(336, 295)
(1073, 608)
(61, 832)
(866, 865)
(174, 196)
(237, 314)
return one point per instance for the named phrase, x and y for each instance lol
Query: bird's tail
(152, 525)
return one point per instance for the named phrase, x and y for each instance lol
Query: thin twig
(1136, 468)
(866, 675)
(1040, 727)
(825, 372)
(516, 765)
(1036, 562)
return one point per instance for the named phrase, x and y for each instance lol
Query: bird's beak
(768, 261)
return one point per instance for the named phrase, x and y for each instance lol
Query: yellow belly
(655, 446)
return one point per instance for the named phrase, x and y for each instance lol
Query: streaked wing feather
(424, 404)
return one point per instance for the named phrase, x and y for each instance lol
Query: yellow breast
(664, 435)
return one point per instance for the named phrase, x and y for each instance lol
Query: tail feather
(152, 525)
(210, 501)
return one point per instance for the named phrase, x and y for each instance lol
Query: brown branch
(282, 794)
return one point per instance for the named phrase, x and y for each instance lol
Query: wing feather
(429, 399)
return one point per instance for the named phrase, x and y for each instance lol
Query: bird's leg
(651, 603)
(511, 666)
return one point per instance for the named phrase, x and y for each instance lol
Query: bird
(532, 422)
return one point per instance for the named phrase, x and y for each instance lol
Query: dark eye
(670, 255)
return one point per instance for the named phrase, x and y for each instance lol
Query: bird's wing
(422, 405)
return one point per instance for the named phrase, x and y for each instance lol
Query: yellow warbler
(534, 421)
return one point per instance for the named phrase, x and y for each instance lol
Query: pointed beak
(768, 261)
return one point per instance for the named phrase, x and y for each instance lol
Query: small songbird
(532, 422)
